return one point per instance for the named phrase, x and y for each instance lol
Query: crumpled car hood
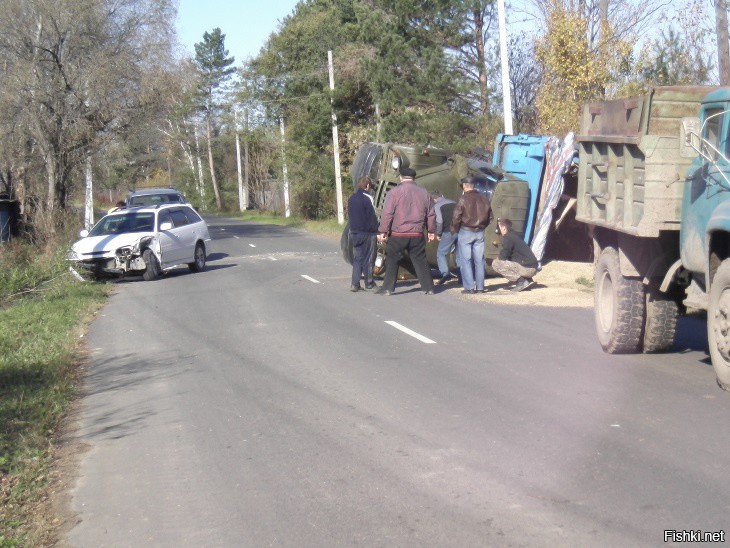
(101, 246)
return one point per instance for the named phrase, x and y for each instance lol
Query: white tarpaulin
(559, 156)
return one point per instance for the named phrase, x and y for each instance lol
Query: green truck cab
(438, 170)
(654, 185)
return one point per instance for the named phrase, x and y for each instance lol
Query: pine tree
(214, 68)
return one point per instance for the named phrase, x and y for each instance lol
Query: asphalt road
(261, 403)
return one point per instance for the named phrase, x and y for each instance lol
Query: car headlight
(396, 163)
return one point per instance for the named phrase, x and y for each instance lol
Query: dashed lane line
(410, 332)
(310, 279)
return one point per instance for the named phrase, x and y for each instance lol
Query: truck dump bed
(631, 170)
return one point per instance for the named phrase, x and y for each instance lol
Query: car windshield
(154, 199)
(133, 221)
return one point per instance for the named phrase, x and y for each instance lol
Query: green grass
(585, 282)
(42, 313)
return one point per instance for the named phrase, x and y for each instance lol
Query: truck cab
(705, 230)
(438, 169)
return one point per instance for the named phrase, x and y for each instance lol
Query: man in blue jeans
(444, 209)
(471, 217)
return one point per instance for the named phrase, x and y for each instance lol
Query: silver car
(143, 240)
(155, 196)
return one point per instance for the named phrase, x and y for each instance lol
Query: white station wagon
(142, 240)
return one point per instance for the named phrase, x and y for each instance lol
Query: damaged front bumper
(111, 264)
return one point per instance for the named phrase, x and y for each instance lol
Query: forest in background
(95, 93)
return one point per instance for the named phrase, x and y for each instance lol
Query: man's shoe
(430, 292)
(355, 288)
(521, 285)
(443, 279)
(371, 286)
(530, 283)
(383, 291)
(468, 291)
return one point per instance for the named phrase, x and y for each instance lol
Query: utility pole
(89, 198)
(336, 144)
(723, 45)
(377, 122)
(287, 211)
(504, 60)
(245, 159)
(241, 201)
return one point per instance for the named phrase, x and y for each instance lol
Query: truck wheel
(346, 244)
(618, 306)
(661, 322)
(718, 324)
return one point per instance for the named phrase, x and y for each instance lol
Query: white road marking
(310, 279)
(273, 258)
(251, 245)
(236, 237)
(410, 332)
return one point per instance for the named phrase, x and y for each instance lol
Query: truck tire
(619, 306)
(718, 324)
(346, 244)
(661, 321)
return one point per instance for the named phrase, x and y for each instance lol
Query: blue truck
(654, 188)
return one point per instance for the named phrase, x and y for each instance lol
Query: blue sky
(246, 23)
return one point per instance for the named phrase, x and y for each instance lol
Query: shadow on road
(692, 335)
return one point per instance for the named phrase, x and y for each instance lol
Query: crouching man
(516, 260)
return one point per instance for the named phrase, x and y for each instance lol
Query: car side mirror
(166, 226)
(83, 233)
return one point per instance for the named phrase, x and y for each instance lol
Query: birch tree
(78, 73)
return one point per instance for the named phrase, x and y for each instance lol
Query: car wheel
(199, 263)
(152, 270)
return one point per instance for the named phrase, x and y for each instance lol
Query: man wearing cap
(407, 213)
(471, 217)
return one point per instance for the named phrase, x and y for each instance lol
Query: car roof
(147, 191)
(149, 208)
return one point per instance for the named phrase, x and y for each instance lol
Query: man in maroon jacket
(407, 213)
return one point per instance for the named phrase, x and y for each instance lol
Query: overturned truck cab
(438, 170)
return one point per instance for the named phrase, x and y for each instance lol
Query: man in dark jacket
(363, 233)
(516, 260)
(471, 217)
(407, 213)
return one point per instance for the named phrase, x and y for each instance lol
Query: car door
(185, 233)
(169, 240)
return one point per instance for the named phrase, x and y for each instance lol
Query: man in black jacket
(516, 260)
(363, 234)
